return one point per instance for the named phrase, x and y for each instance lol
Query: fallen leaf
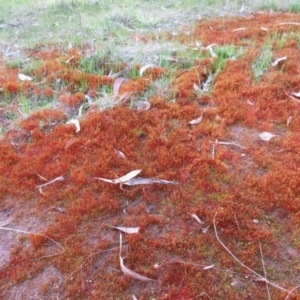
(266, 136)
(196, 88)
(291, 96)
(144, 68)
(141, 180)
(239, 29)
(129, 272)
(81, 110)
(117, 84)
(199, 120)
(278, 60)
(120, 154)
(142, 105)
(208, 267)
(296, 94)
(68, 60)
(50, 182)
(288, 121)
(129, 230)
(23, 77)
(197, 218)
(122, 179)
(76, 123)
(205, 230)
(212, 53)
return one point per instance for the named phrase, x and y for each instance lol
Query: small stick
(265, 273)
(242, 264)
(229, 144)
(39, 234)
(288, 23)
(237, 223)
(291, 291)
(55, 179)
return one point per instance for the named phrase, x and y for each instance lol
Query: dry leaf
(197, 218)
(68, 60)
(23, 77)
(50, 182)
(129, 272)
(199, 120)
(141, 180)
(76, 123)
(122, 179)
(117, 84)
(212, 53)
(208, 267)
(296, 94)
(278, 60)
(205, 230)
(144, 68)
(239, 29)
(196, 88)
(129, 230)
(266, 136)
(80, 110)
(120, 154)
(291, 96)
(142, 105)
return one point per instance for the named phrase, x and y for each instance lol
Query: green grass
(27, 23)
(262, 62)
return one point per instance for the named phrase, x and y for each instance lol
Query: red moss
(72, 100)
(12, 86)
(132, 87)
(258, 182)
(183, 84)
(48, 92)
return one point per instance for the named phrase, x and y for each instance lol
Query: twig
(291, 291)
(228, 143)
(242, 264)
(237, 223)
(213, 151)
(55, 179)
(38, 234)
(265, 273)
(288, 23)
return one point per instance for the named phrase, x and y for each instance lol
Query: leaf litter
(129, 230)
(129, 179)
(127, 271)
(266, 136)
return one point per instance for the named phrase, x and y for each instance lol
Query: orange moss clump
(43, 119)
(71, 100)
(12, 86)
(133, 86)
(183, 84)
